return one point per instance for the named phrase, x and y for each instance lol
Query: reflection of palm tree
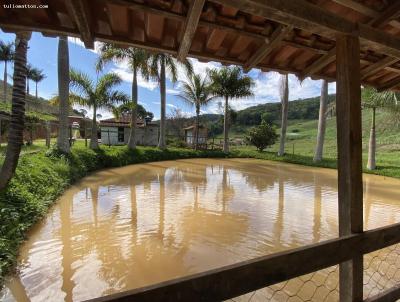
(227, 190)
(368, 201)
(94, 193)
(18, 290)
(317, 210)
(278, 227)
(66, 252)
(162, 205)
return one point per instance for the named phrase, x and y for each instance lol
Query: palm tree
(197, 92)
(137, 61)
(373, 99)
(323, 104)
(159, 65)
(63, 143)
(37, 76)
(30, 70)
(6, 55)
(284, 92)
(229, 83)
(95, 95)
(15, 137)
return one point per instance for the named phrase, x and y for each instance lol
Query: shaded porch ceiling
(272, 35)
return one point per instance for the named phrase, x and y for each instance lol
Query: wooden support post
(350, 188)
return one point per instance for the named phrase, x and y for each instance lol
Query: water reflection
(133, 226)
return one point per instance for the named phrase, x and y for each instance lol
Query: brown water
(128, 227)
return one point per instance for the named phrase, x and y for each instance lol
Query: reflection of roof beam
(371, 69)
(390, 85)
(320, 63)
(276, 38)
(309, 17)
(192, 20)
(81, 17)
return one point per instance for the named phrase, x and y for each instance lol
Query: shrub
(262, 136)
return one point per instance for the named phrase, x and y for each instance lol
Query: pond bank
(40, 179)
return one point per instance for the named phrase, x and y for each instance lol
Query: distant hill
(301, 109)
(40, 108)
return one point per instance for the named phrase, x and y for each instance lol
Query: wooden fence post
(350, 188)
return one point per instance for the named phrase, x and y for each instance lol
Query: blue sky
(42, 54)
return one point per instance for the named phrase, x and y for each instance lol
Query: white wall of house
(109, 136)
(145, 136)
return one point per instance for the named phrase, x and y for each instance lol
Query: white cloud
(123, 71)
(79, 42)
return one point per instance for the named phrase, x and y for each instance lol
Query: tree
(284, 92)
(373, 99)
(6, 55)
(137, 60)
(95, 95)
(126, 108)
(30, 70)
(37, 76)
(321, 121)
(159, 66)
(16, 128)
(63, 143)
(262, 136)
(196, 91)
(229, 83)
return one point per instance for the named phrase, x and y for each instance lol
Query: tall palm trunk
(372, 143)
(27, 86)
(323, 103)
(226, 126)
(94, 144)
(15, 137)
(36, 83)
(196, 128)
(5, 81)
(132, 134)
(285, 105)
(63, 143)
(161, 142)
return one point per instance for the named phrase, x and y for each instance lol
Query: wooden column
(350, 189)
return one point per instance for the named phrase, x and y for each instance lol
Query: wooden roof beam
(373, 68)
(80, 16)
(390, 85)
(319, 64)
(192, 20)
(276, 38)
(391, 12)
(358, 7)
(309, 17)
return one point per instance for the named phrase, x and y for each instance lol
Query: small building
(190, 135)
(116, 131)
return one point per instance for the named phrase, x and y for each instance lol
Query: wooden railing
(247, 276)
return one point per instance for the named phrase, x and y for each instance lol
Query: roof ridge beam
(276, 38)
(190, 26)
(81, 18)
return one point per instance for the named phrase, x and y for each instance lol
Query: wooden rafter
(276, 38)
(387, 15)
(390, 84)
(79, 14)
(320, 63)
(379, 18)
(190, 26)
(371, 69)
(309, 17)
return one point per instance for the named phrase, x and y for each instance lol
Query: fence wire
(381, 272)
